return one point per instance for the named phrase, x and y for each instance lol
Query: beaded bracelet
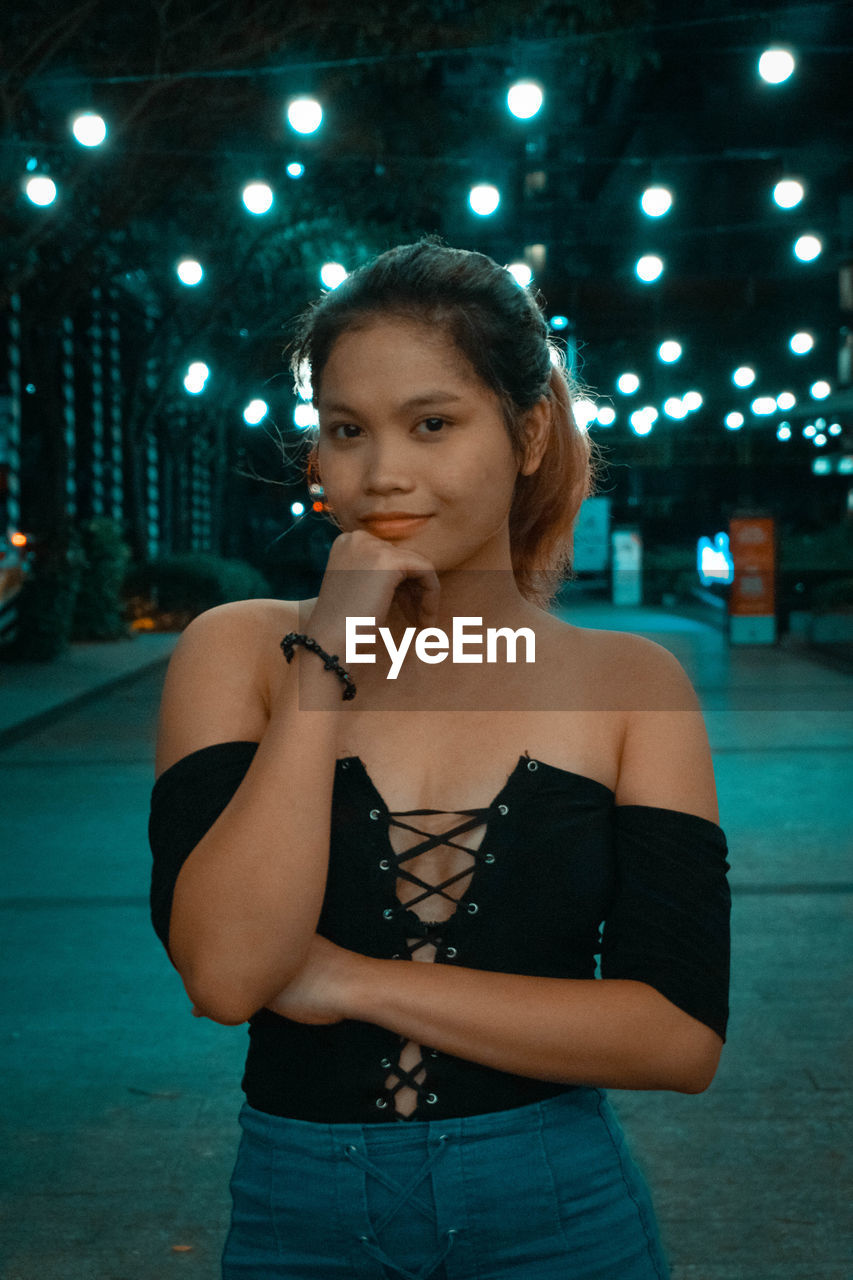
(330, 661)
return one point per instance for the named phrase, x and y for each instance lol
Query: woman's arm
(614, 1033)
(248, 897)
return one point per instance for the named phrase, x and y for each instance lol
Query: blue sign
(714, 560)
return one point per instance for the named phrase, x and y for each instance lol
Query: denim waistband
(311, 1138)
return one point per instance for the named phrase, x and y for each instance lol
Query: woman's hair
(498, 326)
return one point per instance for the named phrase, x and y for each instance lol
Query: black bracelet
(330, 661)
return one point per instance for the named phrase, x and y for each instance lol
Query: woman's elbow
(696, 1060)
(213, 1005)
(232, 1004)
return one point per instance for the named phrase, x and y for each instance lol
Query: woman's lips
(395, 527)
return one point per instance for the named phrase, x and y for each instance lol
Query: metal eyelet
(503, 809)
(386, 1063)
(351, 1148)
(532, 765)
(381, 1103)
(384, 864)
(433, 1053)
(345, 765)
(489, 857)
(472, 908)
(451, 952)
(388, 913)
(431, 1098)
(374, 813)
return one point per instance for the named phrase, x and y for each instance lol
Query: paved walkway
(120, 1108)
(32, 694)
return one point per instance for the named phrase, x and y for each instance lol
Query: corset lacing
(428, 932)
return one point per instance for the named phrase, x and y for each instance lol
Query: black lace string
(429, 932)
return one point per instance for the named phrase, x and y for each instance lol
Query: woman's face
(406, 425)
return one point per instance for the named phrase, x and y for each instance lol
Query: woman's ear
(537, 427)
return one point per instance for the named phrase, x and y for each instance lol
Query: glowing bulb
(41, 190)
(744, 376)
(642, 420)
(255, 411)
(807, 248)
(692, 401)
(583, 411)
(656, 201)
(734, 421)
(484, 199)
(649, 267)
(196, 377)
(628, 383)
(788, 193)
(786, 401)
(524, 99)
(521, 272)
(304, 115)
(669, 351)
(305, 415)
(189, 271)
(776, 65)
(607, 416)
(89, 129)
(801, 343)
(820, 390)
(257, 197)
(675, 408)
(333, 274)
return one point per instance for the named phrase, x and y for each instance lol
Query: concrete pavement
(120, 1108)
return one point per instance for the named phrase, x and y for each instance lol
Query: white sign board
(592, 536)
(627, 566)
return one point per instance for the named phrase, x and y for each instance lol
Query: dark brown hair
(499, 327)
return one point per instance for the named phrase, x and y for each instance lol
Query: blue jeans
(540, 1192)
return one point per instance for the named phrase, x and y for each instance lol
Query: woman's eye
(440, 421)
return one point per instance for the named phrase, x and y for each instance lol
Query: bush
(832, 595)
(668, 569)
(167, 593)
(99, 607)
(826, 550)
(46, 601)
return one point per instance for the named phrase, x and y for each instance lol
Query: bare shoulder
(665, 757)
(622, 671)
(649, 674)
(217, 683)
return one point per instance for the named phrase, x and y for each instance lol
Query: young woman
(318, 823)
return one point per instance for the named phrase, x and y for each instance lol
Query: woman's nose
(386, 467)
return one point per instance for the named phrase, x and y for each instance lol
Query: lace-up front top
(548, 876)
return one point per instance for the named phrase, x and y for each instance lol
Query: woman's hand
(318, 994)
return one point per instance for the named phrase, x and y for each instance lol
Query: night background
(152, 451)
(100, 331)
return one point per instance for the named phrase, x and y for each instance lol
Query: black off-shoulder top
(561, 875)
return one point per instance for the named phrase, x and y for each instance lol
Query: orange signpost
(752, 599)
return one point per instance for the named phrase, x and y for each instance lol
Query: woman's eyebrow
(414, 402)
